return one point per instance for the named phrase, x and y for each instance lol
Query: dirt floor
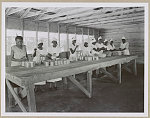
(107, 96)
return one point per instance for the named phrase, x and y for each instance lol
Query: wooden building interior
(42, 24)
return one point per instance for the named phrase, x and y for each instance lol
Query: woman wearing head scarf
(54, 53)
(38, 53)
(73, 49)
(124, 46)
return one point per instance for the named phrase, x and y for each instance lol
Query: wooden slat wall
(134, 35)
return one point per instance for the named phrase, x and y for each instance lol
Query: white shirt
(54, 51)
(39, 52)
(18, 54)
(126, 47)
(110, 47)
(87, 51)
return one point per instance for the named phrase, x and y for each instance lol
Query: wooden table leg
(89, 82)
(119, 73)
(11, 101)
(134, 67)
(65, 83)
(97, 72)
(31, 97)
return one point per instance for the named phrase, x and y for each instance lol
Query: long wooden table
(26, 77)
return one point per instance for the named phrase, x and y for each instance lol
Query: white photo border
(54, 4)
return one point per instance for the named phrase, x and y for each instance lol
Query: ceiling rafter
(66, 13)
(25, 13)
(85, 14)
(110, 20)
(104, 15)
(12, 11)
(111, 24)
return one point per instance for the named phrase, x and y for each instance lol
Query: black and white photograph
(63, 59)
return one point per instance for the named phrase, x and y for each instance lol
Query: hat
(111, 40)
(93, 40)
(54, 40)
(73, 39)
(123, 37)
(105, 40)
(99, 38)
(40, 44)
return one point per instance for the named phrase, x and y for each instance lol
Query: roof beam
(15, 10)
(105, 15)
(110, 21)
(79, 10)
(32, 14)
(112, 24)
(87, 13)
(25, 13)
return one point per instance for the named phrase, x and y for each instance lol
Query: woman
(54, 52)
(18, 55)
(124, 46)
(73, 50)
(18, 52)
(38, 53)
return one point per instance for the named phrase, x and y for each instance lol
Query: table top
(40, 73)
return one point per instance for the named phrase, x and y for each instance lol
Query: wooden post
(134, 67)
(22, 27)
(89, 82)
(48, 29)
(88, 33)
(82, 37)
(31, 97)
(93, 32)
(58, 33)
(67, 38)
(75, 33)
(65, 83)
(37, 28)
(119, 73)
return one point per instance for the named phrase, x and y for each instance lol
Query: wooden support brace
(108, 74)
(31, 97)
(15, 96)
(126, 68)
(80, 86)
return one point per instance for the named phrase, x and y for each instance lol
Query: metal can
(68, 61)
(56, 63)
(23, 63)
(51, 63)
(65, 61)
(32, 64)
(27, 64)
(46, 63)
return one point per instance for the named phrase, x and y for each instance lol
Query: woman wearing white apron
(100, 47)
(73, 50)
(19, 55)
(124, 46)
(38, 53)
(86, 49)
(110, 47)
(54, 52)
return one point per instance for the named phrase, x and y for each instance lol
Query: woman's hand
(24, 59)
